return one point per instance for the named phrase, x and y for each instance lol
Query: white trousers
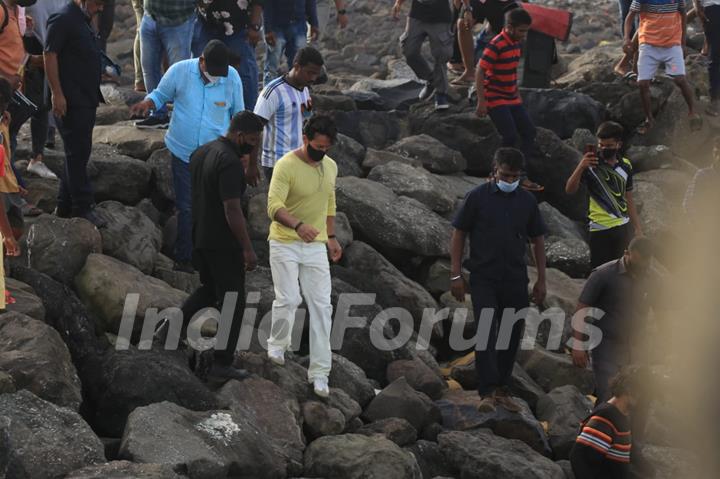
(305, 266)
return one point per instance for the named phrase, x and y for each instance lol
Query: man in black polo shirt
(72, 66)
(222, 249)
(500, 219)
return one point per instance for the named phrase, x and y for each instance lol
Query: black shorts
(493, 11)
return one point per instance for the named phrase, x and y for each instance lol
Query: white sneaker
(40, 169)
(277, 356)
(321, 387)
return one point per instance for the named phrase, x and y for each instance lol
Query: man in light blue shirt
(206, 92)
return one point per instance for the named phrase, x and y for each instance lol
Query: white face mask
(210, 78)
(506, 187)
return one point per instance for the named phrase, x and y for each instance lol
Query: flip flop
(644, 127)
(696, 123)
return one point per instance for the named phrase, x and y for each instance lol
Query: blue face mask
(506, 187)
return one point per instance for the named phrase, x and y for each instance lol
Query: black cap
(216, 57)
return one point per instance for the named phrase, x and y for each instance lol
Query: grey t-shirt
(40, 12)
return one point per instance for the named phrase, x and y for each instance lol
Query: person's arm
(256, 10)
(589, 297)
(52, 72)
(683, 22)
(165, 92)
(457, 249)
(277, 210)
(397, 6)
(236, 221)
(11, 246)
(334, 247)
(589, 160)
(588, 456)
(632, 212)
(487, 62)
(629, 22)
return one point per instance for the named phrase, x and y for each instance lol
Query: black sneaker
(426, 92)
(153, 123)
(184, 267)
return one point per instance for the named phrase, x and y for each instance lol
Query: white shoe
(277, 356)
(321, 387)
(40, 169)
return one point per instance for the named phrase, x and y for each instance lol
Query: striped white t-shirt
(284, 107)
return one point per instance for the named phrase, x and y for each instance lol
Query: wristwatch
(342, 12)
(256, 27)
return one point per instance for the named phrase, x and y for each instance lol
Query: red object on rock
(550, 21)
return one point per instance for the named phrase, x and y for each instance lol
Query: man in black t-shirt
(222, 249)
(429, 19)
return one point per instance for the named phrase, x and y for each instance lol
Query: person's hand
(253, 37)
(628, 47)
(589, 160)
(307, 233)
(343, 20)
(395, 12)
(29, 23)
(270, 39)
(59, 105)
(11, 246)
(142, 108)
(539, 293)
(468, 19)
(250, 259)
(314, 33)
(457, 289)
(252, 174)
(15, 81)
(481, 109)
(37, 62)
(580, 358)
(334, 249)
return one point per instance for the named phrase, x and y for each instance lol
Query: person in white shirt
(284, 104)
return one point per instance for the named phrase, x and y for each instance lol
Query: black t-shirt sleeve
(536, 224)
(57, 33)
(231, 178)
(465, 218)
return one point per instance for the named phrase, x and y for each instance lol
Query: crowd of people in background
(230, 126)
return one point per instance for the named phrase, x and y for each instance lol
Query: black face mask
(608, 153)
(315, 154)
(244, 149)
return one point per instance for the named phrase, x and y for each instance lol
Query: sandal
(529, 185)
(644, 127)
(696, 123)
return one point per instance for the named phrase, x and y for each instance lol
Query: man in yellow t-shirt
(301, 203)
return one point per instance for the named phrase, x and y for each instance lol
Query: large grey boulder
(118, 177)
(354, 456)
(460, 412)
(563, 409)
(161, 179)
(419, 375)
(395, 94)
(125, 470)
(105, 283)
(394, 290)
(59, 247)
(36, 357)
(433, 154)
(208, 445)
(39, 440)
(400, 400)
(129, 140)
(394, 222)
(405, 180)
(552, 370)
(482, 455)
(372, 129)
(26, 301)
(375, 158)
(349, 155)
(395, 429)
(129, 235)
(349, 377)
(562, 111)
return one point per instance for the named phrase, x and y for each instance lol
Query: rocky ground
(73, 406)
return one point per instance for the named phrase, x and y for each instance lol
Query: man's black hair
(246, 122)
(518, 17)
(631, 380)
(307, 56)
(6, 93)
(610, 130)
(510, 157)
(642, 245)
(320, 125)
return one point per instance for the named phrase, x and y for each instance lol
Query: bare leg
(687, 93)
(467, 50)
(647, 106)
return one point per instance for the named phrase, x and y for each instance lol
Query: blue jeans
(158, 39)
(511, 122)
(288, 39)
(183, 205)
(239, 45)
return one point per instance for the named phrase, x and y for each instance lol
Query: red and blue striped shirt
(499, 62)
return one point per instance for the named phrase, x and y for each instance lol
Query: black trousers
(608, 245)
(76, 127)
(36, 89)
(494, 362)
(221, 272)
